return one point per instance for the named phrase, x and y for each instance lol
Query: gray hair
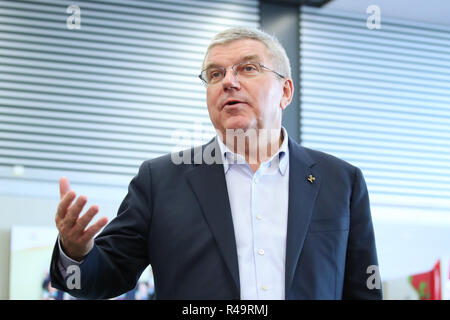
(276, 51)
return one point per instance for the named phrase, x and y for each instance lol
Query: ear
(288, 93)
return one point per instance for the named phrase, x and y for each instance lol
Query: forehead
(233, 52)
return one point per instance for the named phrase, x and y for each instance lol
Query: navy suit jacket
(178, 219)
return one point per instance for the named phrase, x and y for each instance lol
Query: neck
(256, 146)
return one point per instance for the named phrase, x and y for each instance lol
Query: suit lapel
(209, 185)
(302, 196)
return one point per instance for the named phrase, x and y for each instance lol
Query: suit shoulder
(330, 161)
(175, 161)
(336, 170)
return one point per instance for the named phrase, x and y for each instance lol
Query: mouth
(230, 103)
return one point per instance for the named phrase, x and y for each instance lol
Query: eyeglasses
(247, 69)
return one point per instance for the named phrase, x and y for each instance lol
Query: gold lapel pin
(311, 178)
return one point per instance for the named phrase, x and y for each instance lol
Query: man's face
(261, 99)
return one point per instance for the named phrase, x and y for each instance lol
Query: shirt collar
(280, 158)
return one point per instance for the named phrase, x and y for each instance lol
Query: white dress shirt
(259, 208)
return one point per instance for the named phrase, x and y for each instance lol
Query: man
(267, 219)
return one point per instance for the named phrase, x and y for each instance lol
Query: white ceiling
(430, 11)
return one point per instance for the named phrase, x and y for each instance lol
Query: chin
(239, 123)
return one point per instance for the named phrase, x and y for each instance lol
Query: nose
(230, 80)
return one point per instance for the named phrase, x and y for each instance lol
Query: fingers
(66, 197)
(96, 227)
(74, 211)
(68, 218)
(64, 186)
(64, 204)
(82, 222)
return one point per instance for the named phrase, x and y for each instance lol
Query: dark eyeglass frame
(202, 75)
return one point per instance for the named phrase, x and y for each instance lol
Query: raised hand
(75, 239)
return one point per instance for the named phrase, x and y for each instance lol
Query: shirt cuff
(64, 259)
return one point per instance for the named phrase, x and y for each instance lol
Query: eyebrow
(251, 57)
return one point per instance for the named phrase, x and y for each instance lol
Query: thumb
(64, 186)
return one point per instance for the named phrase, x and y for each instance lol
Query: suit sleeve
(120, 252)
(360, 279)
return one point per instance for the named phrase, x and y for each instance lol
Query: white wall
(34, 204)
(406, 248)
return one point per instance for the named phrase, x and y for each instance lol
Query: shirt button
(261, 251)
(258, 217)
(256, 180)
(265, 288)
